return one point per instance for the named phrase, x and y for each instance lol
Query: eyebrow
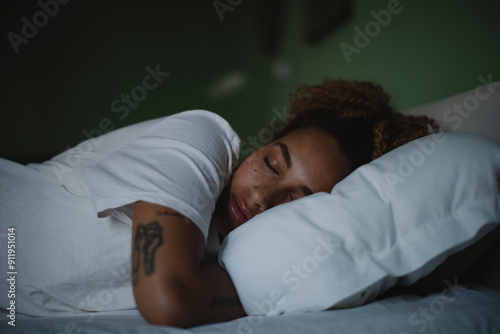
(286, 155)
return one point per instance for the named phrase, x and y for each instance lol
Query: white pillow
(474, 111)
(392, 220)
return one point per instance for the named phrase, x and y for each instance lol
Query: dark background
(61, 84)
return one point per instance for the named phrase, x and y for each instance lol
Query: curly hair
(358, 115)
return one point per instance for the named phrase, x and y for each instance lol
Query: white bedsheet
(472, 310)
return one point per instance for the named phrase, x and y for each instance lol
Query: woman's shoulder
(198, 122)
(205, 118)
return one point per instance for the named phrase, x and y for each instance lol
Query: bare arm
(454, 266)
(171, 284)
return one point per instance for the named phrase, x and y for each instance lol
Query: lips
(238, 210)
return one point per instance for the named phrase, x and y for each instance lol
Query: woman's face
(304, 162)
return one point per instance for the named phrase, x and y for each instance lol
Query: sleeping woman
(135, 218)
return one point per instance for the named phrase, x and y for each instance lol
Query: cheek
(244, 176)
(329, 177)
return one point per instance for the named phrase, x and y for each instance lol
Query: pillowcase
(474, 111)
(391, 221)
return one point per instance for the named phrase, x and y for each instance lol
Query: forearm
(207, 296)
(451, 269)
(213, 296)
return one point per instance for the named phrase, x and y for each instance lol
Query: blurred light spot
(281, 70)
(227, 85)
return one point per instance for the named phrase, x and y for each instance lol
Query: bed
(475, 310)
(455, 309)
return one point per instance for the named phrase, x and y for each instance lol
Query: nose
(260, 199)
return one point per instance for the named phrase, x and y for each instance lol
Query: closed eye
(268, 164)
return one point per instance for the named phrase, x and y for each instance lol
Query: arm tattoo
(225, 301)
(147, 240)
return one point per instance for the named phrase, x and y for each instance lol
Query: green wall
(62, 83)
